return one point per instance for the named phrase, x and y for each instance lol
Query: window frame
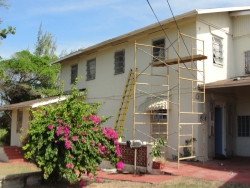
(19, 121)
(89, 75)
(247, 62)
(218, 58)
(120, 68)
(243, 128)
(161, 127)
(156, 51)
(73, 73)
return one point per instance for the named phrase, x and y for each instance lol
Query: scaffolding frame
(197, 107)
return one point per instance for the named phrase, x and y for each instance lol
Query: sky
(79, 24)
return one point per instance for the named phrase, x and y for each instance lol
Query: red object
(157, 165)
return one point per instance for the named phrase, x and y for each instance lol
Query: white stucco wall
(220, 25)
(241, 42)
(243, 109)
(15, 137)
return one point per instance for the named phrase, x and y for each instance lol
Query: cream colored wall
(220, 25)
(241, 42)
(107, 88)
(15, 137)
(243, 109)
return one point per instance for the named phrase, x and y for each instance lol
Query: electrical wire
(167, 36)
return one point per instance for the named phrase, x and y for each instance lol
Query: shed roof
(232, 82)
(33, 103)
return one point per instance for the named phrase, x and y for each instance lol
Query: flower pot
(157, 165)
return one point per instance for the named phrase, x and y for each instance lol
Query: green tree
(26, 76)
(10, 29)
(67, 137)
(46, 44)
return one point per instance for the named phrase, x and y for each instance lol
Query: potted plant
(158, 161)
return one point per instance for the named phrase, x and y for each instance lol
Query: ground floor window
(243, 126)
(159, 124)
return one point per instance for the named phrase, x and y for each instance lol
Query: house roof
(33, 103)
(232, 82)
(139, 32)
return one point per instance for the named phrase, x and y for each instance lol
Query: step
(17, 160)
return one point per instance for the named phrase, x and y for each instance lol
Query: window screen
(74, 70)
(91, 69)
(119, 62)
(159, 51)
(243, 126)
(217, 51)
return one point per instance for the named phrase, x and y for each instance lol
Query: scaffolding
(190, 70)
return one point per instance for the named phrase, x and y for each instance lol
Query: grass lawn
(179, 182)
(17, 168)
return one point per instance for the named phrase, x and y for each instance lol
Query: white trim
(47, 102)
(240, 13)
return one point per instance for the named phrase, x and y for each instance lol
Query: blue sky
(82, 23)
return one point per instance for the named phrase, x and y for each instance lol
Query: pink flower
(44, 115)
(70, 156)
(67, 144)
(78, 126)
(94, 119)
(99, 144)
(84, 118)
(98, 180)
(84, 133)
(50, 127)
(90, 176)
(110, 133)
(74, 138)
(82, 183)
(58, 132)
(119, 165)
(56, 141)
(92, 143)
(60, 122)
(83, 140)
(70, 165)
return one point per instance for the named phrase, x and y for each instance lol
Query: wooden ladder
(122, 112)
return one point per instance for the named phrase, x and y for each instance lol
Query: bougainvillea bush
(67, 140)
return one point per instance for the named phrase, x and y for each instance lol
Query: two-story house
(226, 35)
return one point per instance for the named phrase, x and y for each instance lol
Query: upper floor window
(19, 121)
(91, 69)
(159, 51)
(119, 62)
(247, 62)
(74, 71)
(217, 50)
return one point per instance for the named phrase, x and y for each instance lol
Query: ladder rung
(191, 113)
(150, 123)
(186, 135)
(189, 146)
(191, 157)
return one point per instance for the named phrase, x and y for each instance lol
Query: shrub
(67, 140)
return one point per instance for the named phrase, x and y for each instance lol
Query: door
(218, 130)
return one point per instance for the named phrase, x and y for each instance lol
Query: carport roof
(232, 82)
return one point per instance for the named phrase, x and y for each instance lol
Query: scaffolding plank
(183, 158)
(175, 60)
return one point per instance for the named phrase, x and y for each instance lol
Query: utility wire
(168, 37)
(181, 35)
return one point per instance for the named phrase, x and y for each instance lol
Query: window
(217, 51)
(159, 130)
(19, 121)
(243, 126)
(159, 53)
(119, 61)
(91, 67)
(74, 70)
(247, 62)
